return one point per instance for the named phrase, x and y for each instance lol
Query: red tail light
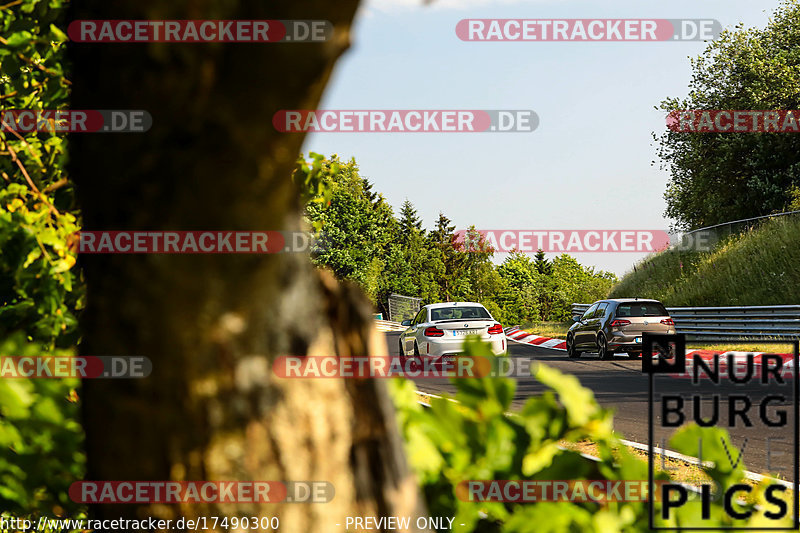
(619, 322)
(497, 329)
(433, 332)
(668, 322)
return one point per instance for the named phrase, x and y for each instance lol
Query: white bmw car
(440, 329)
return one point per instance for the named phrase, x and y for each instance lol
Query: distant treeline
(365, 242)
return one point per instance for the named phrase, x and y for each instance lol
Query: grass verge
(757, 267)
(555, 330)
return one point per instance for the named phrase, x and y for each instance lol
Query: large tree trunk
(212, 324)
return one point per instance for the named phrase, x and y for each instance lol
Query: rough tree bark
(212, 324)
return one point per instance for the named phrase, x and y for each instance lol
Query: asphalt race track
(621, 385)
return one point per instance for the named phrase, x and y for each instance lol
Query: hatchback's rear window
(642, 309)
(459, 313)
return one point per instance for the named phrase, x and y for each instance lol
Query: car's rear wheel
(602, 348)
(572, 352)
(416, 363)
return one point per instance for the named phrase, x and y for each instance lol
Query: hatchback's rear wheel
(572, 352)
(602, 348)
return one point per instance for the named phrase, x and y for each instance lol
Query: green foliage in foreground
(37, 272)
(40, 285)
(758, 267)
(478, 439)
(40, 438)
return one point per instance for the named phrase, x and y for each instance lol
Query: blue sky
(587, 166)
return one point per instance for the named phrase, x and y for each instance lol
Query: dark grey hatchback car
(611, 326)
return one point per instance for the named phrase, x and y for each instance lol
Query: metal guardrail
(712, 323)
(403, 307)
(745, 222)
(386, 325)
(706, 238)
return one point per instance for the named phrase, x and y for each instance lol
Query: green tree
(443, 232)
(576, 283)
(476, 274)
(543, 266)
(442, 241)
(355, 225)
(521, 289)
(416, 266)
(409, 224)
(414, 270)
(716, 177)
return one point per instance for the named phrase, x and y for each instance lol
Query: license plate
(637, 339)
(461, 332)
